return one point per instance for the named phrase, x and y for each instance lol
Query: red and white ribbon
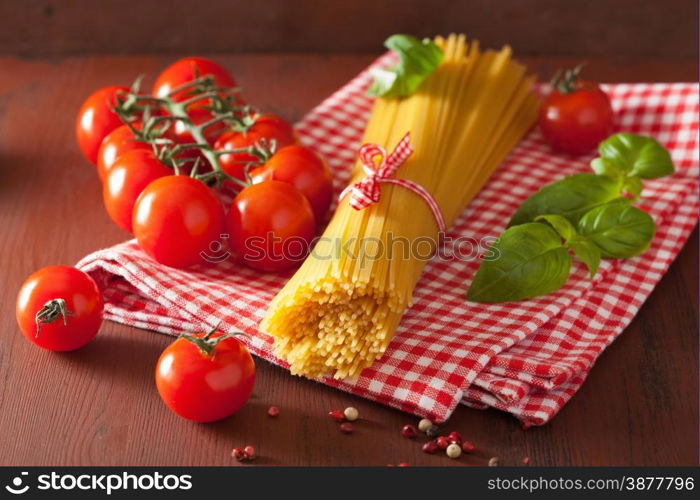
(368, 191)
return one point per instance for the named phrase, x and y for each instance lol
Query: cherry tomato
(59, 308)
(271, 225)
(205, 377)
(130, 174)
(96, 119)
(303, 169)
(187, 69)
(118, 141)
(176, 218)
(267, 127)
(576, 116)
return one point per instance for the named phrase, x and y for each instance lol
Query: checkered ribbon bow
(368, 191)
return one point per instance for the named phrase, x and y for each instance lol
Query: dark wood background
(99, 405)
(621, 29)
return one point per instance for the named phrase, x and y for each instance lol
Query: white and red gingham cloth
(527, 358)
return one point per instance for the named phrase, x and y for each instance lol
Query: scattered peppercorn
(238, 454)
(409, 431)
(430, 447)
(468, 447)
(526, 460)
(346, 428)
(442, 442)
(433, 431)
(273, 411)
(424, 424)
(526, 425)
(351, 413)
(337, 415)
(249, 452)
(403, 464)
(453, 450)
(493, 462)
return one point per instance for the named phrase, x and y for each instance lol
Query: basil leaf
(570, 197)
(532, 262)
(588, 252)
(560, 224)
(633, 155)
(417, 59)
(634, 186)
(618, 229)
(601, 167)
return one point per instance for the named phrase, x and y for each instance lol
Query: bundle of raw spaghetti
(338, 313)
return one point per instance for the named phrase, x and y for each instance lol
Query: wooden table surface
(99, 406)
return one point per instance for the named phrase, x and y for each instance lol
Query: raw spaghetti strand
(340, 310)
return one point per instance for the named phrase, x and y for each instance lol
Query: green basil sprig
(625, 159)
(583, 214)
(417, 59)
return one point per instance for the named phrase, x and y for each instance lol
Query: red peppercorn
(238, 454)
(526, 460)
(430, 447)
(345, 427)
(454, 437)
(403, 464)
(526, 425)
(468, 447)
(273, 411)
(337, 415)
(442, 442)
(249, 452)
(409, 431)
(390, 465)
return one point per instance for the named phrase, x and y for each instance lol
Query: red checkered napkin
(527, 357)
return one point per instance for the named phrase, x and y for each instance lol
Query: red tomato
(205, 382)
(118, 141)
(130, 174)
(187, 69)
(576, 116)
(176, 218)
(96, 119)
(303, 169)
(68, 303)
(271, 225)
(268, 127)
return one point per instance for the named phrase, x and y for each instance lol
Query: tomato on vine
(577, 115)
(264, 130)
(205, 377)
(128, 177)
(271, 226)
(59, 308)
(96, 119)
(186, 70)
(176, 218)
(303, 169)
(118, 141)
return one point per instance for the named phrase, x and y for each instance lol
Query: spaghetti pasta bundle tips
(340, 310)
